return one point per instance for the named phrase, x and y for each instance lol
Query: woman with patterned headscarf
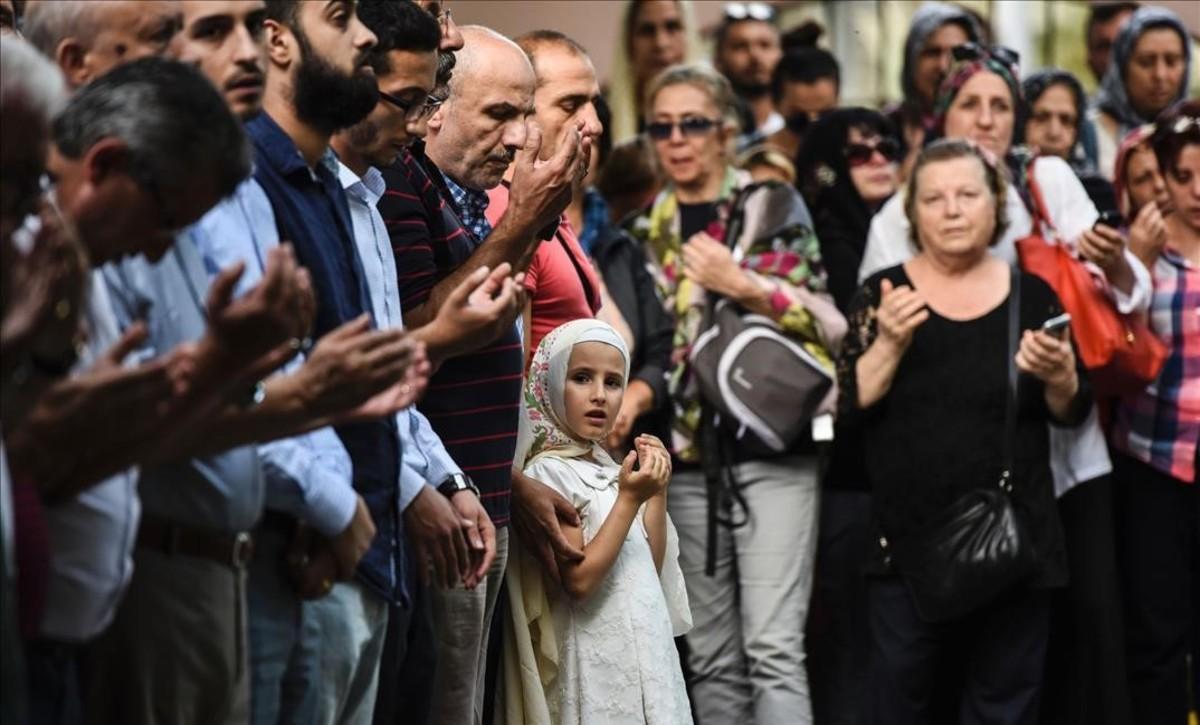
(1149, 70)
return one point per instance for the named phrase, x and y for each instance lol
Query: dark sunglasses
(413, 111)
(750, 11)
(975, 51)
(859, 154)
(689, 127)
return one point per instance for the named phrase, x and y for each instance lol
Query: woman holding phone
(980, 99)
(943, 316)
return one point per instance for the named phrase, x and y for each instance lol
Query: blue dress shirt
(425, 458)
(311, 212)
(223, 491)
(308, 476)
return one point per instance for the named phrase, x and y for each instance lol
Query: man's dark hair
(285, 12)
(535, 41)
(1103, 12)
(727, 22)
(398, 26)
(175, 123)
(804, 65)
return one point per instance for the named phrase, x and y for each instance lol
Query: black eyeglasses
(411, 109)
(750, 11)
(975, 51)
(860, 154)
(688, 127)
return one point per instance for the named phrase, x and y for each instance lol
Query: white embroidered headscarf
(545, 409)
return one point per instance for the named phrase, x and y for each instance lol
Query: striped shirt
(473, 401)
(1160, 425)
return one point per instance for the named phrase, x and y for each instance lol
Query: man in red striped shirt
(434, 211)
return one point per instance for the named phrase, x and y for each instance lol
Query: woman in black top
(924, 373)
(846, 171)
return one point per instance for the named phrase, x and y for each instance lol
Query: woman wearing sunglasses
(746, 653)
(847, 169)
(979, 100)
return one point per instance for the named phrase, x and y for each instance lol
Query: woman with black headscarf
(1053, 123)
(847, 168)
(1149, 71)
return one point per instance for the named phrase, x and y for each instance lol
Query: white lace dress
(617, 661)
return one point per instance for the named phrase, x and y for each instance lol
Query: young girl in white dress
(599, 648)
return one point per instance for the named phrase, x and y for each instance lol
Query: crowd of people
(362, 367)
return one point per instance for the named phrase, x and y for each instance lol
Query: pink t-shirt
(561, 281)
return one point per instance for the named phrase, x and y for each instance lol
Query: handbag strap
(1038, 212)
(1010, 404)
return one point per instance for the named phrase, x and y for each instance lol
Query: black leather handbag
(977, 548)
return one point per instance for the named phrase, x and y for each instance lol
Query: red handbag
(1122, 355)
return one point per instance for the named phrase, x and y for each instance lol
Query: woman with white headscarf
(599, 649)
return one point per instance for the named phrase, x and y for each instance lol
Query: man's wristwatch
(456, 482)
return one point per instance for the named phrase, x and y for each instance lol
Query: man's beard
(327, 99)
(750, 90)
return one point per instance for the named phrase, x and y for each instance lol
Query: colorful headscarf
(961, 72)
(545, 408)
(1112, 98)
(1135, 138)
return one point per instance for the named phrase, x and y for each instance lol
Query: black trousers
(838, 638)
(1086, 678)
(1002, 647)
(1158, 545)
(405, 694)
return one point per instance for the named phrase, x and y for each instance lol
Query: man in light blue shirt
(406, 71)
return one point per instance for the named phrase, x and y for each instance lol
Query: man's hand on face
(46, 292)
(541, 190)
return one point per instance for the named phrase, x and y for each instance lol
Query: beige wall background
(866, 35)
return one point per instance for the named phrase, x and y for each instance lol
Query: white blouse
(617, 661)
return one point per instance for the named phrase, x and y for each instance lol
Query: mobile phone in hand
(1110, 218)
(1057, 326)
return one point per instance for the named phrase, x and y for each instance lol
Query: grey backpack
(757, 377)
(759, 381)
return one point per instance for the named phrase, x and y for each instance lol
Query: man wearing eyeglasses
(747, 50)
(405, 62)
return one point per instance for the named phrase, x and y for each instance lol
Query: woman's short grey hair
(176, 125)
(29, 80)
(701, 76)
(947, 150)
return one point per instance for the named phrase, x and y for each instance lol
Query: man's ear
(438, 118)
(281, 44)
(72, 59)
(106, 158)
